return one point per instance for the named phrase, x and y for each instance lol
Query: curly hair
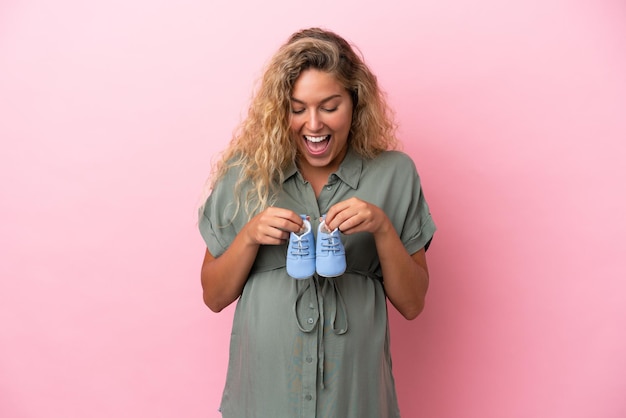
(262, 145)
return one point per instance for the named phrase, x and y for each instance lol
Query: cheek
(294, 125)
(294, 132)
(344, 122)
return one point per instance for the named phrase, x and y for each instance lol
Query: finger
(355, 218)
(270, 235)
(349, 215)
(284, 219)
(336, 214)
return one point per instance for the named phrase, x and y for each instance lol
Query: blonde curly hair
(262, 145)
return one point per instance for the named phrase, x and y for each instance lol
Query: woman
(318, 142)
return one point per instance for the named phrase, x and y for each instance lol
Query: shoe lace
(301, 248)
(330, 243)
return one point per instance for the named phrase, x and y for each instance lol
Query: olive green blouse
(317, 347)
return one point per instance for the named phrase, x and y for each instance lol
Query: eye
(297, 111)
(329, 110)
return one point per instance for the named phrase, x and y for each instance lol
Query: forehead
(316, 84)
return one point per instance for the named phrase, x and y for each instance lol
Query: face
(321, 116)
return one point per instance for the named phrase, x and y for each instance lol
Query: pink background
(110, 113)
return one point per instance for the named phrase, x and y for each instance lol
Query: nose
(314, 122)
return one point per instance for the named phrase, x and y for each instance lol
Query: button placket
(325, 198)
(309, 374)
(309, 318)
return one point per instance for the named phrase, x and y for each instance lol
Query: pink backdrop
(110, 113)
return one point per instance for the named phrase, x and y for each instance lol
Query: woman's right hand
(224, 277)
(272, 226)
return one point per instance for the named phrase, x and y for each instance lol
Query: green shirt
(317, 347)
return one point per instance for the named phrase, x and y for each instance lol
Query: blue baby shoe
(330, 260)
(301, 253)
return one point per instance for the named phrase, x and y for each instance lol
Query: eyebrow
(293, 99)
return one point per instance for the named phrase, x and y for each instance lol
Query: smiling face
(321, 116)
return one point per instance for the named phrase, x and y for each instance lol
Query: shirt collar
(349, 171)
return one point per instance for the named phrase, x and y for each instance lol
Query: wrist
(385, 229)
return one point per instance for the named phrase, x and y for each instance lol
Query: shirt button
(329, 187)
(310, 320)
(311, 306)
(309, 359)
(308, 397)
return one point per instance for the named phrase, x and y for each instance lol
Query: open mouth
(317, 144)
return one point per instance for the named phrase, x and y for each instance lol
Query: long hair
(262, 145)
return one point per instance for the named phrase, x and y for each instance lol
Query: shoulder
(394, 169)
(393, 161)
(231, 175)
(397, 156)
(226, 188)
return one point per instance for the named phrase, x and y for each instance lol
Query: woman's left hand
(405, 275)
(356, 215)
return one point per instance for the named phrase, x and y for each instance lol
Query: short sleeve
(418, 226)
(220, 218)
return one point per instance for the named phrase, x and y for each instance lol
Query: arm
(224, 277)
(405, 275)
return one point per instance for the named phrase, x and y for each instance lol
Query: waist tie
(326, 293)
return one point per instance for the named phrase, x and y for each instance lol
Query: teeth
(316, 138)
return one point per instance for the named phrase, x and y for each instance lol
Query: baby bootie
(301, 253)
(330, 260)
